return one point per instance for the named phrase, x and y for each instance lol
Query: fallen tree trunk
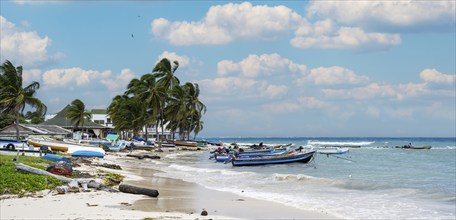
(83, 182)
(138, 190)
(140, 157)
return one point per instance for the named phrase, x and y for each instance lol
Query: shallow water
(375, 181)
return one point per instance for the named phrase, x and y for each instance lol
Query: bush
(14, 182)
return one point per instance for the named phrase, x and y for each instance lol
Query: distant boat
(302, 157)
(332, 150)
(414, 147)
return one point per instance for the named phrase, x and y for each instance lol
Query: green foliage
(14, 182)
(110, 178)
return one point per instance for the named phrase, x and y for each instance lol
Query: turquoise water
(375, 181)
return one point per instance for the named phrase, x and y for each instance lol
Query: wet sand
(185, 197)
(177, 200)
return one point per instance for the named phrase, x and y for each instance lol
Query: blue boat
(87, 153)
(303, 157)
(56, 158)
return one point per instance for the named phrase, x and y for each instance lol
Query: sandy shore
(177, 200)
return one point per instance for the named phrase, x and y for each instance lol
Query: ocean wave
(293, 177)
(339, 143)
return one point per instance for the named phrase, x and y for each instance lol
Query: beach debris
(60, 168)
(90, 183)
(204, 213)
(110, 166)
(91, 205)
(140, 157)
(138, 190)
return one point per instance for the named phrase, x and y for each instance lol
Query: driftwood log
(144, 156)
(137, 190)
(83, 182)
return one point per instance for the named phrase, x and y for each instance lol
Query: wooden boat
(186, 143)
(303, 157)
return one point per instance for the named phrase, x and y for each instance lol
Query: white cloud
(300, 103)
(332, 75)
(434, 76)
(31, 75)
(24, 48)
(72, 76)
(387, 13)
(375, 90)
(224, 23)
(118, 83)
(345, 37)
(265, 64)
(241, 87)
(183, 60)
(273, 91)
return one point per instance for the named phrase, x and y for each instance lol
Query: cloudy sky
(265, 68)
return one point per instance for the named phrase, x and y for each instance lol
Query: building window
(108, 120)
(101, 122)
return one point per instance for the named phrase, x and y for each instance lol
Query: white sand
(177, 200)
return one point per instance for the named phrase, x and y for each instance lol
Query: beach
(177, 200)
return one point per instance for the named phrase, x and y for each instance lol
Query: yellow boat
(56, 146)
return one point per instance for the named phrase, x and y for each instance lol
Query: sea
(375, 181)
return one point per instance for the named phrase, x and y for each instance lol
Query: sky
(264, 68)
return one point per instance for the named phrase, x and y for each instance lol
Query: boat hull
(301, 157)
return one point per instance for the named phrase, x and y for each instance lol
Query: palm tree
(165, 71)
(127, 113)
(153, 95)
(13, 97)
(77, 113)
(196, 108)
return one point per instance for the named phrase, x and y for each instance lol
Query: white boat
(63, 146)
(332, 150)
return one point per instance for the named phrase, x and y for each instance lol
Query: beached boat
(63, 146)
(22, 152)
(186, 143)
(12, 144)
(303, 157)
(87, 153)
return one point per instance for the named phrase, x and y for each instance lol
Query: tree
(127, 113)
(34, 117)
(77, 113)
(13, 97)
(153, 95)
(164, 71)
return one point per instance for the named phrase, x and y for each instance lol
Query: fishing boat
(303, 157)
(186, 143)
(332, 150)
(414, 147)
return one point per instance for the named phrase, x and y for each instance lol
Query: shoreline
(178, 199)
